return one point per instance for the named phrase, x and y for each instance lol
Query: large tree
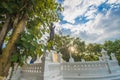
(23, 16)
(80, 45)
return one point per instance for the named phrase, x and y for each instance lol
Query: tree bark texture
(3, 32)
(6, 54)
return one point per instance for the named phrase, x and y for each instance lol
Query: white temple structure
(53, 67)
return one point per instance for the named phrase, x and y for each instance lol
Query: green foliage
(40, 14)
(94, 48)
(79, 45)
(61, 44)
(113, 47)
(28, 45)
(77, 57)
(89, 52)
(14, 58)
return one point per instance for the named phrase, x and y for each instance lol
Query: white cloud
(99, 28)
(75, 8)
(91, 13)
(113, 1)
(110, 25)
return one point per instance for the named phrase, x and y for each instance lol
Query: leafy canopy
(40, 14)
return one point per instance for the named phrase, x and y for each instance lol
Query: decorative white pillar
(17, 72)
(113, 56)
(60, 57)
(49, 56)
(46, 68)
(106, 58)
(71, 58)
(104, 55)
(100, 58)
(82, 60)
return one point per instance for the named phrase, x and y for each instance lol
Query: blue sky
(94, 21)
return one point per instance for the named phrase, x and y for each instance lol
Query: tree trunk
(4, 32)
(6, 54)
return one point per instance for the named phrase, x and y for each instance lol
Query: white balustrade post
(113, 56)
(59, 57)
(48, 59)
(82, 60)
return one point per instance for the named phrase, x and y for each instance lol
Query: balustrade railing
(84, 68)
(72, 69)
(84, 65)
(32, 71)
(33, 68)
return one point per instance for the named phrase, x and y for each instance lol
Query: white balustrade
(32, 68)
(85, 70)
